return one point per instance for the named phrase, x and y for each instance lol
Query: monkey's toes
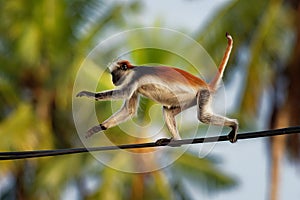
(163, 141)
(232, 136)
(167, 142)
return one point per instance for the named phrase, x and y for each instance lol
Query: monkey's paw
(232, 136)
(86, 94)
(163, 141)
(95, 129)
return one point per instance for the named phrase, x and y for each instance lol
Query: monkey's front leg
(128, 109)
(105, 95)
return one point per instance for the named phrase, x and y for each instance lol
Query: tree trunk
(287, 115)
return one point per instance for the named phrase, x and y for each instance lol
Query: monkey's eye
(124, 67)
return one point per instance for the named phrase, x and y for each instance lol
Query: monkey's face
(119, 71)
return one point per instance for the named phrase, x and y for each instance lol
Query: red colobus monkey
(175, 89)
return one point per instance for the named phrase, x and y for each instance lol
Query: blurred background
(42, 45)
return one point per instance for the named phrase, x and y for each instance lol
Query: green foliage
(195, 169)
(42, 44)
(259, 45)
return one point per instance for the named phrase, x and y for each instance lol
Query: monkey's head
(119, 71)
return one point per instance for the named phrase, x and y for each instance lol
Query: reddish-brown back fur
(178, 75)
(172, 74)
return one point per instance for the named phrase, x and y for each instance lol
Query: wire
(161, 142)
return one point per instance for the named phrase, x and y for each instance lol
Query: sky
(247, 160)
(189, 14)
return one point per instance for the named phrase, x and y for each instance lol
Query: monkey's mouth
(116, 78)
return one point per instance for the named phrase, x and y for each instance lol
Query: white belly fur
(168, 96)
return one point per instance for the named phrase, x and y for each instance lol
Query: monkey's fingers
(94, 129)
(86, 94)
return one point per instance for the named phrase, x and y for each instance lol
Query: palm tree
(269, 55)
(287, 113)
(42, 44)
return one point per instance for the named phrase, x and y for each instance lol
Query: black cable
(163, 142)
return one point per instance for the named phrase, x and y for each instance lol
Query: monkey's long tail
(217, 79)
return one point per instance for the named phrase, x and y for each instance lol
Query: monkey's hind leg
(206, 116)
(169, 116)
